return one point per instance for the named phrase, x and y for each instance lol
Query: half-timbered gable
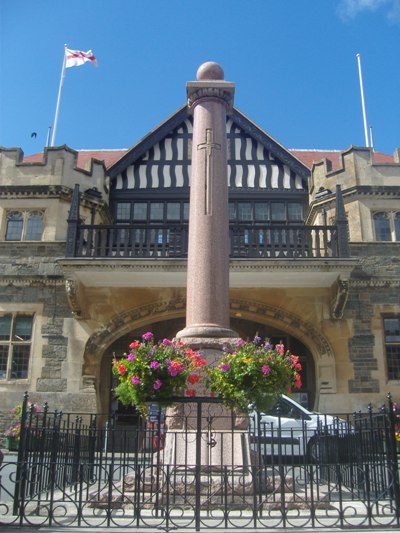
(151, 181)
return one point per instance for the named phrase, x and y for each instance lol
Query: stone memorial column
(207, 434)
(207, 311)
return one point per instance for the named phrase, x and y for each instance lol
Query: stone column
(207, 312)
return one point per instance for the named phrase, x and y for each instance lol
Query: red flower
(122, 369)
(134, 344)
(193, 378)
(190, 392)
(297, 381)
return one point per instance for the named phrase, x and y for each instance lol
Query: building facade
(93, 252)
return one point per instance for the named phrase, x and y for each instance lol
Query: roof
(84, 156)
(306, 156)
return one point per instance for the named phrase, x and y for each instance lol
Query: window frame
(391, 344)
(12, 343)
(391, 216)
(26, 216)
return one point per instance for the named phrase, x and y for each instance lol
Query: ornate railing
(247, 240)
(180, 469)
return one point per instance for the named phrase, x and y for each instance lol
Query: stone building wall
(374, 292)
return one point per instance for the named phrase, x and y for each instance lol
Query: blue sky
(293, 61)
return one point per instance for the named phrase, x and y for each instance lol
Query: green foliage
(252, 373)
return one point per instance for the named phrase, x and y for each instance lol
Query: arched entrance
(246, 328)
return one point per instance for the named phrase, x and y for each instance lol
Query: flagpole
(53, 137)
(363, 101)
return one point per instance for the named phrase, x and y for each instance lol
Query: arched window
(382, 227)
(34, 226)
(24, 226)
(15, 223)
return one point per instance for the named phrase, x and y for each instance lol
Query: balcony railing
(246, 241)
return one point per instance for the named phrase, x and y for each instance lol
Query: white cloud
(349, 9)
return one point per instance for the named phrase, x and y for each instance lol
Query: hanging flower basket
(252, 374)
(13, 432)
(155, 372)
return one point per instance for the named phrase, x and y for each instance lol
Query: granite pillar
(207, 311)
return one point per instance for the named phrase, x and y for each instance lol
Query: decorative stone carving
(340, 298)
(71, 288)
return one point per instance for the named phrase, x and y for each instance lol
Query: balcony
(247, 241)
(155, 255)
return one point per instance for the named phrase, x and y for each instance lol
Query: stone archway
(170, 313)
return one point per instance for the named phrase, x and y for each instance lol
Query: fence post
(20, 477)
(393, 462)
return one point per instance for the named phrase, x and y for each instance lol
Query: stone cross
(208, 146)
(210, 97)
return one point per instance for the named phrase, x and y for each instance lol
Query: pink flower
(157, 384)
(147, 336)
(225, 367)
(175, 367)
(130, 357)
(167, 342)
(154, 364)
(135, 380)
(265, 369)
(280, 348)
(240, 342)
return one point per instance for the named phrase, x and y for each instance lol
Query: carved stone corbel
(71, 289)
(338, 302)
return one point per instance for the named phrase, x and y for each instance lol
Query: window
(397, 226)
(295, 211)
(261, 212)
(24, 226)
(392, 346)
(140, 211)
(278, 212)
(387, 226)
(15, 346)
(264, 212)
(15, 224)
(151, 212)
(123, 212)
(173, 211)
(156, 211)
(382, 227)
(245, 211)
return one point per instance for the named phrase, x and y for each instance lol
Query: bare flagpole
(363, 101)
(53, 137)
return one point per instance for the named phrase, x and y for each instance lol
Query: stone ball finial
(210, 71)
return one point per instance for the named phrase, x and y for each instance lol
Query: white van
(289, 429)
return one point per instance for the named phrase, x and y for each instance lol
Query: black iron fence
(198, 465)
